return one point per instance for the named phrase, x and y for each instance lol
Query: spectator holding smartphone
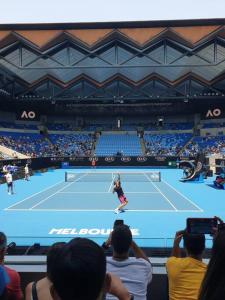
(134, 272)
(185, 274)
(213, 285)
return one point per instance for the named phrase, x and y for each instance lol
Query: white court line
(110, 187)
(201, 210)
(161, 193)
(104, 210)
(107, 193)
(33, 195)
(57, 192)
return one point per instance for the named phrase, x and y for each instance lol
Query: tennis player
(122, 198)
(9, 181)
(93, 163)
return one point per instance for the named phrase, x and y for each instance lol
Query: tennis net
(109, 176)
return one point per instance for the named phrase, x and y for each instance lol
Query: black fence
(106, 161)
(137, 161)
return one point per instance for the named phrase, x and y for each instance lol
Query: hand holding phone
(201, 225)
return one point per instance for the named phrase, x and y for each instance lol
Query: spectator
(4, 280)
(213, 285)
(185, 274)
(134, 272)
(40, 290)
(80, 273)
(13, 288)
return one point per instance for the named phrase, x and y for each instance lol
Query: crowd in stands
(128, 144)
(165, 144)
(208, 144)
(72, 144)
(80, 269)
(35, 145)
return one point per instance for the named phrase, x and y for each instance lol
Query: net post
(159, 176)
(65, 176)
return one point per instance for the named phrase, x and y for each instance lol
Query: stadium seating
(72, 144)
(165, 144)
(213, 125)
(31, 144)
(111, 144)
(59, 127)
(169, 126)
(35, 145)
(209, 144)
(12, 125)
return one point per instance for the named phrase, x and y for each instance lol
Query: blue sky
(54, 11)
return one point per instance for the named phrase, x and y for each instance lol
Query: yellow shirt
(185, 277)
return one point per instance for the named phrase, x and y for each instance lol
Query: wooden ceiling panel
(194, 34)
(142, 35)
(89, 36)
(39, 37)
(4, 33)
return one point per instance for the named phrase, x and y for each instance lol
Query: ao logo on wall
(27, 115)
(30, 115)
(213, 113)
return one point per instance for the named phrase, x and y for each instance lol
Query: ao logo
(213, 113)
(28, 115)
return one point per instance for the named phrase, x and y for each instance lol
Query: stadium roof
(129, 61)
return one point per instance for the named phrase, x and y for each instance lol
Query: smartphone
(118, 223)
(201, 225)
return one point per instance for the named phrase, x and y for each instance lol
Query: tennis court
(48, 208)
(92, 191)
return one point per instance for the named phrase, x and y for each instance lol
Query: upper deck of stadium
(121, 62)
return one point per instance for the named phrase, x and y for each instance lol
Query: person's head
(121, 239)
(53, 251)
(3, 245)
(194, 244)
(79, 272)
(117, 183)
(213, 285)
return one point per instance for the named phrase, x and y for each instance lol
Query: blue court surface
(48, 209)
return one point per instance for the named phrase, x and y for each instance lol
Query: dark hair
(194, 243)
(213, 285)
(4, 295)
(121, 239)
(117, 182)
(52, 254)
(3, 240)
(80, 270)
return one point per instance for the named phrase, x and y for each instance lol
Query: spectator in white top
(9, 181)
(134, 272)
